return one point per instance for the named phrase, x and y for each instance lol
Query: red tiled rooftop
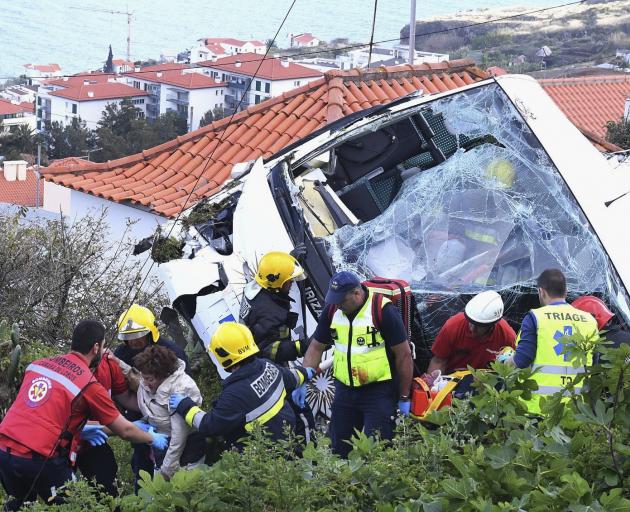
(6, 107)
(590, 102)
(230, 41)
(166, 66)
(78, 79)
(22, 193)
(270, 69)
(99, 91)
(44, 68)
(178, 78)
(162, 178)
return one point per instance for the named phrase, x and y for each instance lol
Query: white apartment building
(20, 93)
(210, 48)
(84, 96)
(37, 73)
(179, 88)
(249, 81)
(360, 57)
(13, 114)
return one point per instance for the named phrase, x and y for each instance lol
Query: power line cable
(372, 35)
(341, 48)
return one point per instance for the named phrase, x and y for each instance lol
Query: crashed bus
(459, 192)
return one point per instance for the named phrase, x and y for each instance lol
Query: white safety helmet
(485, 308)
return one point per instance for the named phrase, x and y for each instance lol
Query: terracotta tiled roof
(23, 193)
(44, 68)
(78, 79)
(178, 78)
(6, 107)
(163, 177)
(270, 69)
(230, 41)
(69, 162)
(166, 66)
(304, 38)
(99, 91)
(590, 102)
(216, 48)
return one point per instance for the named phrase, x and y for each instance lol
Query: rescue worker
(40, 431)
(266, 307)
(607, 322)
(266, 310)
(137, 330)
(254, 393)
(540, 343)
(372, 368)
(473, 337)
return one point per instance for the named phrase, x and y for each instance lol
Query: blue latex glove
(142, 425)
(310, 372)
(94, 435)
(160, 441)
(299, 396)
(404, 406)
(173, 401)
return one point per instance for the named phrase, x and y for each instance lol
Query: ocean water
(74, 34)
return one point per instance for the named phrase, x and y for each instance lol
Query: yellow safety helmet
(231, 343)
(276, 268)
(502, 171)
(136, 322)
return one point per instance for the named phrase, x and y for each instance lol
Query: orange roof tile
(178, 78)
(590, 102)
(99, 91)
(22, 193)
(6, 107)
(162, 177)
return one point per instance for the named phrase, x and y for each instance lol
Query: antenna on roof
(127, 13)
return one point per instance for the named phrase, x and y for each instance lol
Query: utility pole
(127, 13)
(412, 32)
(37, 174)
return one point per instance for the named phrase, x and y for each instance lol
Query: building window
(258, 85)
(267, 87)
(39, 125)
(257, 99)
(136, 84)
(74, 108)
(296, 83)
(138, 102)
(39, 100)
(39, 112)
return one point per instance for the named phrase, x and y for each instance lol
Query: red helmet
(595, 307)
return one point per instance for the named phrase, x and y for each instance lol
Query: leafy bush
(483, 455)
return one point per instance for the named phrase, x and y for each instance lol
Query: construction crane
(127, 13)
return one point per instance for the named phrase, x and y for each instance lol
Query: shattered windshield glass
(493, 216)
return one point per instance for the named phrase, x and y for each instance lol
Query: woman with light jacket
(162, 375)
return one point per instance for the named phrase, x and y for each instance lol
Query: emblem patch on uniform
(39, 392)
(361, 341)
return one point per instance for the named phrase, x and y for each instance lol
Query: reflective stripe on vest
(359, 355)
(268, 409)
(555, 324)
(73, 389)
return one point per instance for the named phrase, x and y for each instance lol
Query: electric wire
(372, 35)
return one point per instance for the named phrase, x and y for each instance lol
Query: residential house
(36, 73)
(306, 40)
(210, 48)
(84, 96)
(179, 88)
(122, 66)
(380, 55)
(14, 114)
(590, 102)
(177, 174)
(252, 79)
(21, 93)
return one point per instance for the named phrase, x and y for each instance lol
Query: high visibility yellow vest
(554, 323)
(359, 354)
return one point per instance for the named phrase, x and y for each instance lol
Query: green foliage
(109, 63)
(17, 143)
(166, 249)
(72, 139)
(207, 119)
(619, 133)
(123, 131)
(487, 455)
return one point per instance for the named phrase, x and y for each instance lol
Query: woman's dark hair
(86, 334)
(157, 361)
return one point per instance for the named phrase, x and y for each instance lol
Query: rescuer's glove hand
(506, 356)
(160, 441)
(404, 406)
(142, 425)
(174, 400)
(299, 396)
(310, 373)
(94, 435)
